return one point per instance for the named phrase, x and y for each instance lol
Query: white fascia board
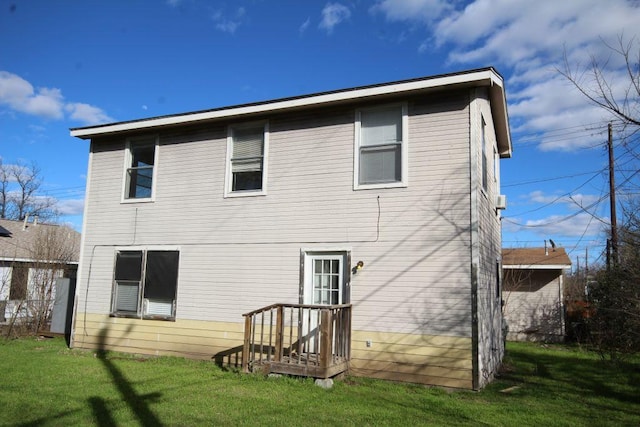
(484, 77)
(31, 260)
(536, 266)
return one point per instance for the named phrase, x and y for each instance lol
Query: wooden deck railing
(298, 339)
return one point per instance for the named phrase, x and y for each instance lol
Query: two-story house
(382, 201)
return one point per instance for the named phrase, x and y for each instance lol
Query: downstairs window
(145, 284)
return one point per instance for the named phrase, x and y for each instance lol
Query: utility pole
(612, 201)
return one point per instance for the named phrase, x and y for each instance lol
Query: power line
(556, 178)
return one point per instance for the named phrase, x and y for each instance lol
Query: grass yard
(44, 383)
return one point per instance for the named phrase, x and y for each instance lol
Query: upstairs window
(141, 154)
(380, 157)
(246, 151)
(145, 284)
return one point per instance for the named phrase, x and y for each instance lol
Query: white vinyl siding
(237, 255)
(232, 247)
(380, 156)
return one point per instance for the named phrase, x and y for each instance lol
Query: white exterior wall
(533, 305)
(239, 254)
(487, 248)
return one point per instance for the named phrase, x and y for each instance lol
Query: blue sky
(75, 63)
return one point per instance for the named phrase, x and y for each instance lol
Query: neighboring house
(32, 256)
(533, 293)
(381, 200)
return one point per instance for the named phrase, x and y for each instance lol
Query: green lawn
(44, 383)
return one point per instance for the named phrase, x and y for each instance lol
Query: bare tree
(622, 99)
(20, 185)
(5, 175)
(613, 317)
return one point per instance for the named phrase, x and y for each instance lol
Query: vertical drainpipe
(474, 253)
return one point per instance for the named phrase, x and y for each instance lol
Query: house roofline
(32, 260)
(488, 77)
(536, 266)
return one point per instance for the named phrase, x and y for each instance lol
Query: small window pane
(129, 266)
(380, 164)
(325, 297)
(248, 142)
(158, 307)
(140, 182)
(381, 126)
(142, 153)
(247, 180)
(335, 266)
(127, 296)
(334, 297)
(161, 278)
(326, 266)
(334, 282)
(318, 266)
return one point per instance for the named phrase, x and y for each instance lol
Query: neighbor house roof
(17, 238)
(484, 77)
(535, 258)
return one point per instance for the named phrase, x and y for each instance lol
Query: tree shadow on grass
(139, 404)
(572, 374)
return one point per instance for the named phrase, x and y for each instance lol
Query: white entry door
(325, 276)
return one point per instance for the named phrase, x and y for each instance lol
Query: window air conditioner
(501, 201)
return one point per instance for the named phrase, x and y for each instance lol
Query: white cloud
(530, 40)
(48, 103)
(305, 25)
(174, 3)
(87, 113)
(332, 15)
(573, 201)
(401, 10)
(228, 24)
(70, 206)
(579, 225)
(21, 96)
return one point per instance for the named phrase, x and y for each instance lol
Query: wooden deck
(298, 339)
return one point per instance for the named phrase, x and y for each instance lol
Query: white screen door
(324, 284)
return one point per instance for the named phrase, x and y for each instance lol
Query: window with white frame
(141, 155)
(145, 283)
(381, 152)
(246, 159)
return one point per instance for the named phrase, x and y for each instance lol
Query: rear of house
(383, 198)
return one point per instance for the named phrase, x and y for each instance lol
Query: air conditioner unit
(501, 202)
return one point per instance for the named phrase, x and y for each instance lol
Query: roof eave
(536, 266)
(482, 77)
